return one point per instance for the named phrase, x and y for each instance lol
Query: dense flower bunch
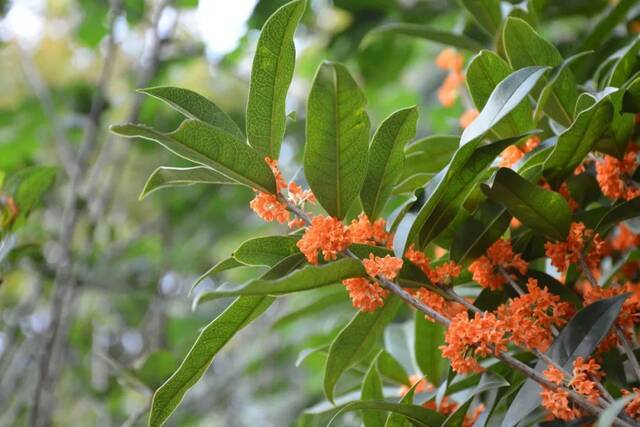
(470, 338)
(451, 61)
(488, 269)
(614, 176)
(362, 230)
(580, 240)
(530, 317)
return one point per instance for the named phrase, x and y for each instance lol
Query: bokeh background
(95, 310)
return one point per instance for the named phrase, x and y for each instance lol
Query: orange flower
(583, 375)
(447, 406)
(563, 254)
(630, 311)
(625, 239)
(445, 273)
(500, 254)
(280, 182)
(296, 223)
(529, 317)
(299, 196)
(467, 117)
(326, 234)
(557, 402)
(387, 267)
(367, 233)
(269, 208)
(513, 153)
(466, 339)
(470, 419)
(419, 259)
(438, 303)
(614, 175)
(633, 407)
(450, 60)
(423, 386)
(365, 295)
(554, 375)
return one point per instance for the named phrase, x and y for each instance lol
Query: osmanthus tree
(513, 243)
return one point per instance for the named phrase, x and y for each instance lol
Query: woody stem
(438, 317)
(624, 342)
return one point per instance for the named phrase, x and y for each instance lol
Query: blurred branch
(64, 282)
(41, 90)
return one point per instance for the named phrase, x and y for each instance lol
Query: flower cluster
(584, 375)
(624, 239)
(365, 295)
(613, 175)
(512, 154)
(326, 234)
(451, 61)
(437, 302)
(633, 407)
(387, 267)
(467, 339)
(486, 269)
(629, 313)
(563, 254)
(270, 208)
(362, 230)
(557, 401)
(442, 274)
(530, 317)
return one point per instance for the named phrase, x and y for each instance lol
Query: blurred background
(95, 311)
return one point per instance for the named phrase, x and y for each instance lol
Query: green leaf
(201, 143)
(386, 158)
(225, 264)
(29, 185)
(320, 305)
(267, 251)
(425, 32)
(604, 28)
(545, 211)
(479, 231)
(608, 416)
(488, 381)
(617, 213)
(424, 158)
(486, 13)
(579, 338)
(625, 65)
(418, 415)
(372, 390)
(577, 141)
(390, 368)
(503, 100)
(271, 76)
(428, 337)
(548, 88)
(460, 177)
(485, 71)
(525, 47)
(304, 279)
(355, 341)
(195, 106)
(399, 420)
(166, 177)
(335, 154)
(213, 337)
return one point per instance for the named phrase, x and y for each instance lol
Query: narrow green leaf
(460, 178)
(625, 65)
(579, 338)
(271, 76)
(195, 106)
(485, 71)
(418, 415)
(267, 251)
(425, 32)
(479, 231)
(525, 47)
(201, 143)
(423, 159)
(308, 277)
(166, 177)
(619, 212)
(546, 212)
(390, 368)
(486, 13)
(225, 264)
(608, 416)
(428, 337)
(400, 420)
(503, 100)
(488, 381)
(577, 141)
(212, 338)
(604, 28)
(372, 390)
(29, 185)
(335, 154)
(386, 158)
(322, 304)
(355, 341)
